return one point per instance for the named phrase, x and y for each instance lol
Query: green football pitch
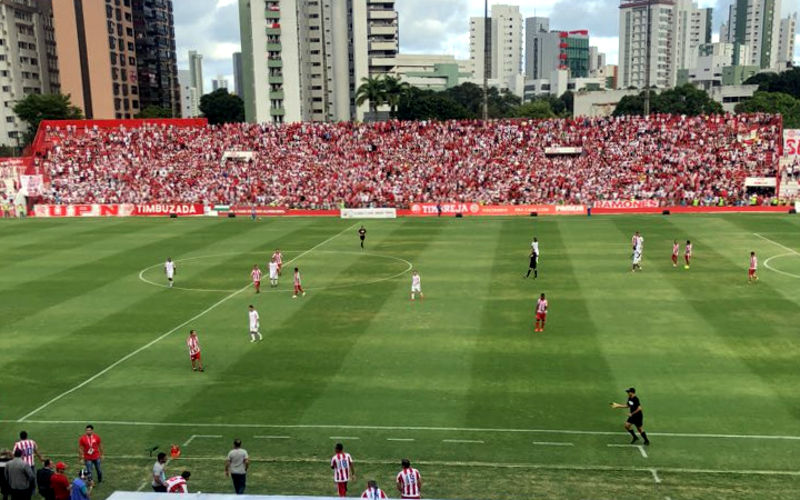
(458, 383)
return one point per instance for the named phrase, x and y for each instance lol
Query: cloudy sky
(426, 26)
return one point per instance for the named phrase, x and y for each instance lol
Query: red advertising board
(156, 209)
(118, 210)
(85, 210)
(429, 209)
(626, 204)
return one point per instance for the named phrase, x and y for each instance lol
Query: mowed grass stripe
(306, 342)
(126, 315)
(412, 373)
(713, 300)
(767, 343)
(78, 248)
(167, 308)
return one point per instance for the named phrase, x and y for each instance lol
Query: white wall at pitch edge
(368, 213)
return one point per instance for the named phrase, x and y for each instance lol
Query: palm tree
(395, 90)
(372, 90)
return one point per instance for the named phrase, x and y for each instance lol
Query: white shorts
(255, 328)
(170, 275)
(416, 289)
(273, 276)
(637, 258)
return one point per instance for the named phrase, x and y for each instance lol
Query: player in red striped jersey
(409, 482)
(343, 471)
(675, 251)
(29, 449)
(256, 275)
(541, 314)
(194, 351)
(751, 273)
(373, 492)
(687, 255)
(177, 484)
(277, 256)
(298, 287)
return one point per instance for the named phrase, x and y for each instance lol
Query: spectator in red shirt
(90, 450)
(59, 482)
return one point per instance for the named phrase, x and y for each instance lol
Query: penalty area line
(167, 334)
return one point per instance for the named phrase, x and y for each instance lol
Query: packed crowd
(673, 159)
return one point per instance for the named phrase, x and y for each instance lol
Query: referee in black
(532, 266)
(362, 233)
(635, 416)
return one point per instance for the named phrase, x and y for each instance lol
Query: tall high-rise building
(220, 82)
(504, 31)
(634, 17)
(692, 29)
(788, 29)
(29, 64)
(98, 66)
(190, 99)
(237, 74)
(754, 24)
(548, 51)
(303, 60)
(196, 70)
(156, 59)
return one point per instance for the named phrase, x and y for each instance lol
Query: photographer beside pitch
(635, 416)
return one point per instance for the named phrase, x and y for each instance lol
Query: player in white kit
(273, 273)
(169, 270)
(416, 285)
(255, 326)
(638, 249)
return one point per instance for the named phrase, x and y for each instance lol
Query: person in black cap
(635, 416)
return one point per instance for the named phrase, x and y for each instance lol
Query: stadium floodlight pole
(485, 59)
(647, 63)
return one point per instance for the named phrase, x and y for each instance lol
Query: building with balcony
(503, 56)
(156, 58)
(98, 67)
(303, 60)
(756, 25)
(28, 60)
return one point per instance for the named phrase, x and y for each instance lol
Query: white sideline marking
(351, 438)
(399, 439)
(552, 443)
(272, 437)
(640, 447)
(195, 436)
(791, 252)
(776, 243)
(655, 476)
(167, 334)
(462, 441)
(405, 428)
(602, 468)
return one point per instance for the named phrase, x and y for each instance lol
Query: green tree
(418, 104)
(787, 82)
(37, 107)
(568, 98)
(155, 112)
(221, 107)
(775, 103)
(372, 90)
(469, 96)
(394, 89)
(684, 100)
(539, 109)
(8, 151)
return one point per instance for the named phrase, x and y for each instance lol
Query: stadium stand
(673, 159)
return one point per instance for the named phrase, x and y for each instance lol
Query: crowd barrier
(416, 210)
